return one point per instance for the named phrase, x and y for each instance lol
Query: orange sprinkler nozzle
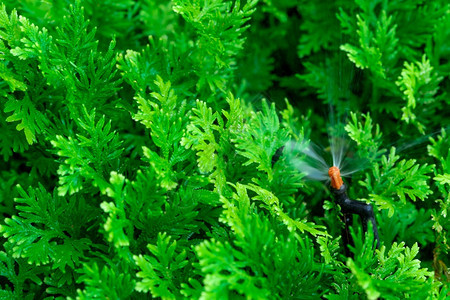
(335, 175)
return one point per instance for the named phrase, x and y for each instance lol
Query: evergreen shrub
(156, 149)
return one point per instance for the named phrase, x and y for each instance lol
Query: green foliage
(419, 85)
(161, 269)
(218, 27)
(440, 149)
(367, 139)
(262, 139)
(271, 203)
(163, 149)
(394, 178)
(377, 42)
(261, 262)
(395, 274)
(32, 122)
(317, 16)
(20, 275)
(116, 221)
(201, 138)
(88, 156)
(13, 71)
(408, 224)
(42, 231)
(106, 282)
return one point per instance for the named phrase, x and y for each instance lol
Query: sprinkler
(349, 207)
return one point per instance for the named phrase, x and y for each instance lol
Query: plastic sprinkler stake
(349, 207)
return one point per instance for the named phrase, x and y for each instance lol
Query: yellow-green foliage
(140, 160)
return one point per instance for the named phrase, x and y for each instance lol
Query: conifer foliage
(140, 160)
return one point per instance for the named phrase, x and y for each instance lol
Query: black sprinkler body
(350, 207)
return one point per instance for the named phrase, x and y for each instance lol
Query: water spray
(350, 207)
(305, 157)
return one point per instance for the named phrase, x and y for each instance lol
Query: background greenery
(141, 160)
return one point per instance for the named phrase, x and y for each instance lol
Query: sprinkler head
(350, 207)
(335, 176)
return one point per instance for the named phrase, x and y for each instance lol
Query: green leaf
(225, 273)
(11, 32)
(261, 138)
(377, 46)
(89, 156)
(394, 178)
(104, 282)
(200, 136)
(40, 231)
(272, 203)
(367, 137)
(32, 121)
(166, 119)
(8, 76)
(261, 260)
(160, 272)
(419, 85)
(11, 141)
(397, 274)
(443, 179)
(18, 273)
(219, 26)
(116, 222)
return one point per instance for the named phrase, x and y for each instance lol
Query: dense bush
(156, 148)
